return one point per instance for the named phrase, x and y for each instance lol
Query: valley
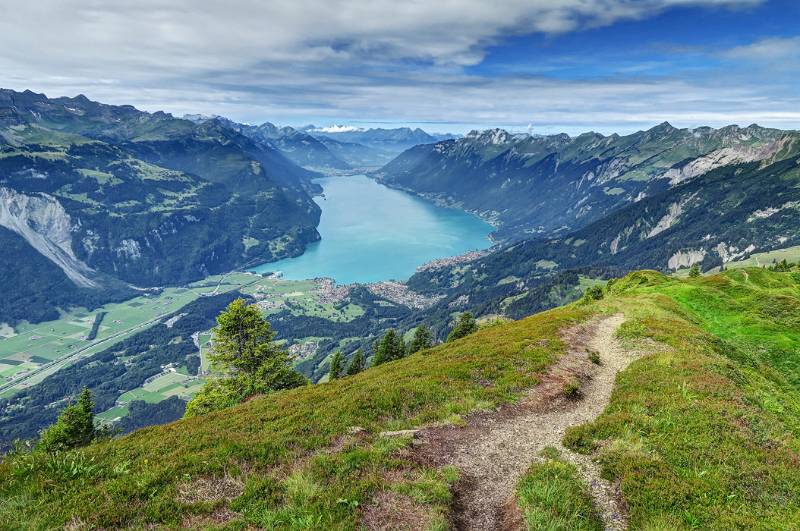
(388, 249)
(362, 246)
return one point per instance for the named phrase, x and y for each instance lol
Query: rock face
(46, 226)
(686, 258)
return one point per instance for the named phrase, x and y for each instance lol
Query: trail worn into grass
(495, 449)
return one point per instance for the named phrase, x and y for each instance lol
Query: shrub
(593, 293)
(572, 389)
(74, 426)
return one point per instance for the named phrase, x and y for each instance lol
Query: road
(74, 356)
(51, 367)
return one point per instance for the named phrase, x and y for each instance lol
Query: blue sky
(540, 65)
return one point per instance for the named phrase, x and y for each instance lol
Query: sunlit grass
(276, 443)
(552, 497)
(702, 432)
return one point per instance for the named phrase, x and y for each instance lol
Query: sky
(542, 66)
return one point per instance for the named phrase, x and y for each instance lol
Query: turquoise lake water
(371, 232)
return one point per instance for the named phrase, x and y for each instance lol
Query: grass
(702, 432)
(790, 254)
(551, 496)
(572, 389)
(267, 442)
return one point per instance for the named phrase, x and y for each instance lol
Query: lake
(371, 232)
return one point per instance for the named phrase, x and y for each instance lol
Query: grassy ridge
(703, 432)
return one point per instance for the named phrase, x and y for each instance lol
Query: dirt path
(495, 449)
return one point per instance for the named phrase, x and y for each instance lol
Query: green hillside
(702, 431)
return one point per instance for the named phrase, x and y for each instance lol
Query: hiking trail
(496, 448)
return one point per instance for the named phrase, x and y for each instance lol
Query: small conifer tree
(74, 426)
(465, 326)
(357, 363)
(422, 339)
(337, 366)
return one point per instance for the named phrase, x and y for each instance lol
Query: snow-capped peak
(495, 136)
(336, 128)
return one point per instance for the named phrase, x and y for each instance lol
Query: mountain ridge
(340, 440)
(546, 185)
(82, 166)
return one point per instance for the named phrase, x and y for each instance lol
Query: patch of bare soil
(394, 511)
(210, 489)
(219, 517)
(495, 448)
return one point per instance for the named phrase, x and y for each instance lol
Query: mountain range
(595, 205)
(100, 200)
(539, 186)
(97, 197)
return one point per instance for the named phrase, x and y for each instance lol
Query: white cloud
(183, 35)
(345, 60)
(771, 50)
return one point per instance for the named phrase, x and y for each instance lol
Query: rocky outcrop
(686, 258)
(46, 226)
(726, 156)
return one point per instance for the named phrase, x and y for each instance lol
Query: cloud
(771, 50)
(184, 35)
(344, 60)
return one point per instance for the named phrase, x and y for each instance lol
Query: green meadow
(702, 432)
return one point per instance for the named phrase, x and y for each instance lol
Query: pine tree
(422, 339)
(357, 363)
(74, 426)
(390, 348)
(250, 361)
(337, 366)
(694, 271)
(242, 339)
(465, 326)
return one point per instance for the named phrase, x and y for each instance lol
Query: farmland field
(300, 297)
(29, 353)
(790, 254)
